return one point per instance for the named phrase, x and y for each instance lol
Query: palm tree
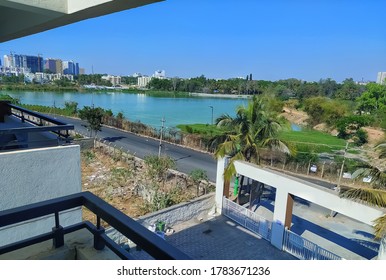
(254, 128)
(375, 195)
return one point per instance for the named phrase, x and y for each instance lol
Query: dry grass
(117, 181)
(111, 180)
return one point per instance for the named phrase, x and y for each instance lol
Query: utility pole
(160, 137)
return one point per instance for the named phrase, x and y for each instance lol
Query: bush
(361, 137)
(157, 167)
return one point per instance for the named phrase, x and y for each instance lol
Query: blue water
(140, 107)
(296, 127)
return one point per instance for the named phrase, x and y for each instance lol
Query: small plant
(88, 155)
(198, 175)
(78, 136)
(157, 167)
(117, 155)
(121, 174)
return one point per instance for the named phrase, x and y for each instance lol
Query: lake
(140, 107)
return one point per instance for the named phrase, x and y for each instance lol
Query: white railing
(247, 219)
(305, 249)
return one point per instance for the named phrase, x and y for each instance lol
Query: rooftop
(24, 129)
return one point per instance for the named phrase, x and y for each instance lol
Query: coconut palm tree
(374, 195)
(254, 128)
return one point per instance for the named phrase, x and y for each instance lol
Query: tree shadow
(113, 139)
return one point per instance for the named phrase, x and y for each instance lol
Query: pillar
(282, 216)
(220, 182)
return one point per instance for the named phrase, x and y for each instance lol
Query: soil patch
(123, 182)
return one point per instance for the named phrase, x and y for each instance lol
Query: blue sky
(272, 39)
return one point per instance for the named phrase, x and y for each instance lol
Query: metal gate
(305, 249)
(247, 218)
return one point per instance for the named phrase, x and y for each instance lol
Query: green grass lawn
(313, 140)
(198, 128)
(304, 140)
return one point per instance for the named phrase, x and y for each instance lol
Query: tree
(71, 107)
(328, 87)
(350, 126)
(376, 195)
(349, 90)
(372, 99)
(321, 109)
(254, 128)
(93, 116)
(198, 175)
(306, 90)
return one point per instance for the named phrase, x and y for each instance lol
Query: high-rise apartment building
(7, 61)
(381, 78)
(59, 66)
(50, 65)
(70, 68)
(28, 63)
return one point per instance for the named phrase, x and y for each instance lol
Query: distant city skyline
(226, 39)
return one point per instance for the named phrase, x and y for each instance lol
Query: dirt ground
(120, 179)
(295, 116)
(375, 135)
(108, 179)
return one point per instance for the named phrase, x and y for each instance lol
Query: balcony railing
(17, 137)
(144, 238)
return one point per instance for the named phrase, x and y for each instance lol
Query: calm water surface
(140, 107)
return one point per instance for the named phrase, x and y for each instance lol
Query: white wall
(287, 186)
(34, 175)
(324, 197)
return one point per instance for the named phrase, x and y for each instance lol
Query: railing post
(98, 241)
(58, 233)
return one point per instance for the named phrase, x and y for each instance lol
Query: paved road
(186, 159)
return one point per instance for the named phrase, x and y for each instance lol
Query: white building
(114, 80)
(144, 81)
(160, 74)
(7, 61)
(381, 78)
(136, 75)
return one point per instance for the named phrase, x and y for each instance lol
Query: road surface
(186, 159)
(140, 146)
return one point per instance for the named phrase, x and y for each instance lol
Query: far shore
(220, 95)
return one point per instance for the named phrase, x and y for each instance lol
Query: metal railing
(247, 218)
(145, 239)
(17, 137)
(304, 249)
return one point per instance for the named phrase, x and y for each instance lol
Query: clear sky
(272, 39)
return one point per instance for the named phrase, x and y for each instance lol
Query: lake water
(140, 107)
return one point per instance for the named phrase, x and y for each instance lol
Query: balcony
(24, 129)
(102, 246)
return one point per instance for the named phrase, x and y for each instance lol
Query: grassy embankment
(304, 140)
